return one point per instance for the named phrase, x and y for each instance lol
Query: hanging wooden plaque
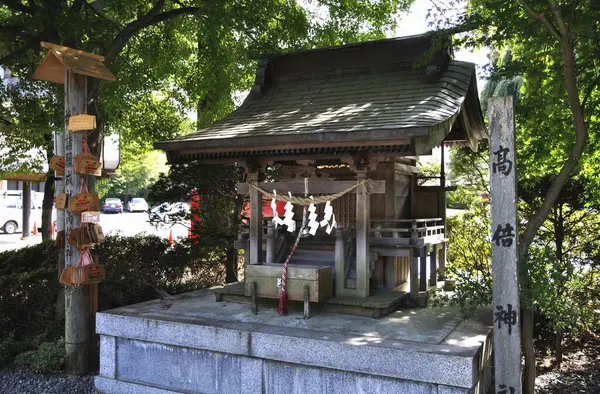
(92, 273)
(61, 201)
(82, 122)
(57, 163)
(70, 276)
(74, 238)
(90, 217)
(87, 164)
(84, 202)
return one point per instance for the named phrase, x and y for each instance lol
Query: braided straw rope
(308, 200)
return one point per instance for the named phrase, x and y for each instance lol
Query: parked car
(11, 210)
(137, 205)
(112, 205)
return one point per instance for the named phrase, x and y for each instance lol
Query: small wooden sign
(61, 201)
(74, 238)
(92, 273)
(57, 163)
(84, 202)
(87, 164)
(90, 217)
(82, 122)
(70, 276)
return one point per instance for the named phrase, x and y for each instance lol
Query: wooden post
(442, 264)
(77, 305)
(26, 200)
(363, 209)
(306, 302)
(255, 221)
(506, 310)
(339, 262)
(423, 269)
(254, 298)
(414, 273)
(59, 187)
(270, 243)
(433, 266)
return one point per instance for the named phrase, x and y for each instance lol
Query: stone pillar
(363, 209)
(256, 254)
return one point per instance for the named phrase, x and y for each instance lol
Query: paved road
(125, 223)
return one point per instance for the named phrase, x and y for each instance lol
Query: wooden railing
(407, 231)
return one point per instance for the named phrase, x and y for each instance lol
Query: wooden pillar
(363, 210)
(506, 310)
(442, 263)
(77, 304)
(423, 269)
(390, 268)
(414, 274)
(271, 240)
(26, 200)
(339, 262)
(255, 221)
(433, 266)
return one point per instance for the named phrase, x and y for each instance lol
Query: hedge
(138, 269)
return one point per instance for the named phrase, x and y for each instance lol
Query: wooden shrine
(338, 116)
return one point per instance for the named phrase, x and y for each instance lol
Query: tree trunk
(231, 269)
(528, 348)
(47, 204)
(558, 348)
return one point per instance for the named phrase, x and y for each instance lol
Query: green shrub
(28, 290)
(136, 267)
(48, 357)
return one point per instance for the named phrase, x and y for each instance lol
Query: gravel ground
(14, 381)
(579, 372)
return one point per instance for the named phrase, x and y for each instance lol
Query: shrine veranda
(346, 126)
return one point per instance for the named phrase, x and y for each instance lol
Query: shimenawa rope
(303, 201)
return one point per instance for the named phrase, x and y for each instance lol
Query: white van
(11, 210)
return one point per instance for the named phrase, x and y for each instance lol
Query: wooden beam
(24, 177)
(315, 186)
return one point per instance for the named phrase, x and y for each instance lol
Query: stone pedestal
(191, 344)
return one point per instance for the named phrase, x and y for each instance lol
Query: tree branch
(590, 90)
(581, 135)
(151, 18)
(18, 6)
(541, 18)
(559, 18)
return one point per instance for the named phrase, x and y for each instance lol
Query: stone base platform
(379, 304)
(192, 344)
